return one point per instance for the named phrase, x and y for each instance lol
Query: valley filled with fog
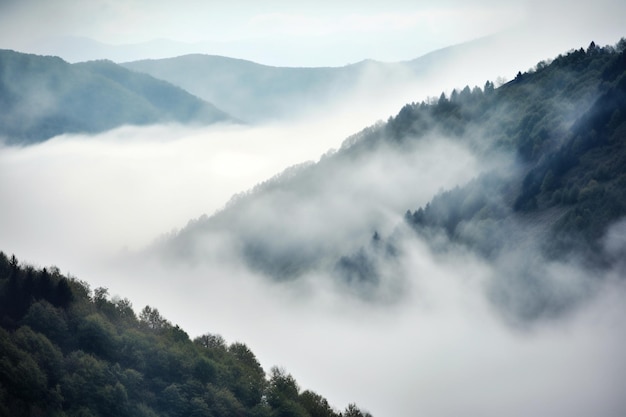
(438, 332)
(438, 348)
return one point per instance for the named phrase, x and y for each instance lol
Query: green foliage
(316, 405)
(24, 382)
(283, 395)
(93, 357)
(47, 319)
(151, 318)
(94, 334)
(248, 376)
(47, 356)
(353, 411)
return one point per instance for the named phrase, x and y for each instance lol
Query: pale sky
(312, 33)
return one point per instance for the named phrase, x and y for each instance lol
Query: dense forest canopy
(69, 351)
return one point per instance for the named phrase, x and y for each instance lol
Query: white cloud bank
(442, 350)
(81, 195)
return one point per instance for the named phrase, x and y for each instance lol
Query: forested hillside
(66, 350)
(43, 96)
(551, 180)
(565, 123)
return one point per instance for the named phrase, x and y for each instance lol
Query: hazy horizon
(302, 35)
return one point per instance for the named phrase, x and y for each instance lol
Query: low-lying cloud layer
(441, 348)
(444, 349)
(126, 187)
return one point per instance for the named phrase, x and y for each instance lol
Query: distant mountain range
(256, 93)
(80, 49)
(43, 96)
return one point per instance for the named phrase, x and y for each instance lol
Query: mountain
(258, 93)
(547, 185)
(255, 92)
(78, 49)
(69, 351)
(43, 96)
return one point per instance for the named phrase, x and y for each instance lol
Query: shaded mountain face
(44, 96)
(527, 176)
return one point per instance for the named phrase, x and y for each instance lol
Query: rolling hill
(69, 351)
(255, 92)
(44, 96)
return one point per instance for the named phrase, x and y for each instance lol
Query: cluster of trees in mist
(43, 96)
(68, 351)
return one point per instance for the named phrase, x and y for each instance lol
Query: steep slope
(546, 149)
(566, 125)
(68, 351)
(42, 97)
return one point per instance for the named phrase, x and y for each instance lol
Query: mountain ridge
(251, 91)
(258, 92)
(44, 96)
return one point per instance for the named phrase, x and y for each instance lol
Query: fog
(300, 221)
(126, 187)
(440, 346)
(441, 351)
